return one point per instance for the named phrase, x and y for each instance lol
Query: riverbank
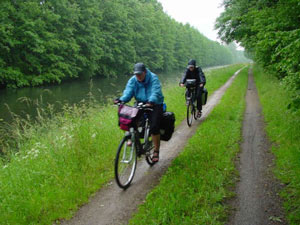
(62, 160)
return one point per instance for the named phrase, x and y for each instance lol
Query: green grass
(283, 128)
(196, 184)
(61, 161)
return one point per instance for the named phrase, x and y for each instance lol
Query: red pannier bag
(127, 116)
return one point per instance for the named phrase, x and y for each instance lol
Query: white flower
(94, 135)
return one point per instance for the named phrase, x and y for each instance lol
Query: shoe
(155, 157)
(199, 114)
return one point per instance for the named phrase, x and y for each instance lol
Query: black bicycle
(190, 97)
(135, 143)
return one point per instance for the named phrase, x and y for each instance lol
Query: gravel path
(257, 201)
(114, 206)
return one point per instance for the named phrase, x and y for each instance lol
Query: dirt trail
(257, 202)
(113, 206)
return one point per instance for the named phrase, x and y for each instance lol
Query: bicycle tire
(149, 144)
(125, 167)
(189, 113)
(194, 112)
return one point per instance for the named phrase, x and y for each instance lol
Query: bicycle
(190, 96)
(126, 157)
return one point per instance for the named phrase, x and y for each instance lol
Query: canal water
(24, 101)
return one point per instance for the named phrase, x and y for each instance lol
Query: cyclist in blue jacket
(145, 87)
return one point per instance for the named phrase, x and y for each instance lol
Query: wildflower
(94, 135)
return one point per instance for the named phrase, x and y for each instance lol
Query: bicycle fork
(129, 150)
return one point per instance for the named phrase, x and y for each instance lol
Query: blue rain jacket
(147, 91)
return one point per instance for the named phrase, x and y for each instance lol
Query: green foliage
(270, 31)
(51, 41)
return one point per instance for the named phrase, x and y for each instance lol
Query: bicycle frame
(190, 102)
(126, 158)
(192, 92)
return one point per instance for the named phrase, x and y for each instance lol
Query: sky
(201, 14)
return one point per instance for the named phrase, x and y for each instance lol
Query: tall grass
(59, 162)
(283, 128)
(196, 184)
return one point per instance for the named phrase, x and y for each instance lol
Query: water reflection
(17, 100)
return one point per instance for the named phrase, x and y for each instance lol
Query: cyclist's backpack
(167, 126)
(204, 96)
(127, 116)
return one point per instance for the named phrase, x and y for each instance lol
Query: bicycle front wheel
(190, 113)
(125, 163)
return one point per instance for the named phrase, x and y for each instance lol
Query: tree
(273, 42)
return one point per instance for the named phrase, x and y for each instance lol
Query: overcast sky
(201, 14)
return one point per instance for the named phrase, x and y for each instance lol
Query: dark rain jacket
(197, 74)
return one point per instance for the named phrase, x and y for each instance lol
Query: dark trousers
(155, 118)
(199, 92)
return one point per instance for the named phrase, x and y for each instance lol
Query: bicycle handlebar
(143, 106)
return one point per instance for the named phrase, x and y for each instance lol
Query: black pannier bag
(167, 126)
(204, 96)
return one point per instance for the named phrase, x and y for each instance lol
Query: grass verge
(196, 184)
(61, 161)
(283, 128)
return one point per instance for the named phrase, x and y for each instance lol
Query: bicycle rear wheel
(148, 145)
(195, 112)
(190, 113)
(125, 163)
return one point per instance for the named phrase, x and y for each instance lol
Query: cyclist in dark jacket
(193, 72)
